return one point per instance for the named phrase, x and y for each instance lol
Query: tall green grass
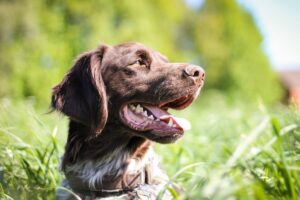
(234, 151)
(29, 151)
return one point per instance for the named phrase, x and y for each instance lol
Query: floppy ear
(81, 95)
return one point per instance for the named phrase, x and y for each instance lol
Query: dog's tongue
(166, 117)
(184, 123)
(180, 122)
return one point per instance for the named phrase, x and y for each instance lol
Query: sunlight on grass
(230, 153)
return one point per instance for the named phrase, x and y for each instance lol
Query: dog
(117, 100)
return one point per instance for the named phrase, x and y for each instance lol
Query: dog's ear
(81, 95)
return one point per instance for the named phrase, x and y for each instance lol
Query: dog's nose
(194, 72)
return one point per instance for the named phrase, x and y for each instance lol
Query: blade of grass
(182, 170)
(69, 191)
(247, 142)
(286, 174)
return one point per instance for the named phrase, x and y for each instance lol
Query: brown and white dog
(117, 99)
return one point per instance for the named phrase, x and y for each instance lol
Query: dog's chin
(154, 136)
(154, 122)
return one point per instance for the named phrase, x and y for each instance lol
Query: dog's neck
(113, 153)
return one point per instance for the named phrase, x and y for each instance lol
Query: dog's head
(130, 85)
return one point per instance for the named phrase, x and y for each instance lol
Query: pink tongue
(169, 118)
(179, 122)
(163, 115)
(156, 111)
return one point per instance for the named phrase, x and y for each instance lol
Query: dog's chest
(143, 175)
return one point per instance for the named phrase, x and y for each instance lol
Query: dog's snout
(194, 72)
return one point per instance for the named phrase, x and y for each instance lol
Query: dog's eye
(140, 62)
(129, 72)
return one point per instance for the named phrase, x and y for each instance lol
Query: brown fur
(101, 81)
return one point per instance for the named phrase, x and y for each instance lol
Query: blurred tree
(229, 46)
(39, 39)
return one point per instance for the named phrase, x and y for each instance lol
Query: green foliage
(238, 153)
(229, 44)
(39, 39)
(39, 44)
(27, 168)
(235, 152)
(29, 152)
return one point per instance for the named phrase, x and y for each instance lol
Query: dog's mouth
(144, 117)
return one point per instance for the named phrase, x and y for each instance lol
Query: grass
(234, 151)
(29, 151)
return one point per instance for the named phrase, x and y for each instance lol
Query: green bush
(39, 44)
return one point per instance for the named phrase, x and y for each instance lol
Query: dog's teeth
(139, 108)
(132, 107)
(145, 113)
(170, 123)
(174, 125)
(151, 117)
(157, 120)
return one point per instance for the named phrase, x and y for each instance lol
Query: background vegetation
(243, 144)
